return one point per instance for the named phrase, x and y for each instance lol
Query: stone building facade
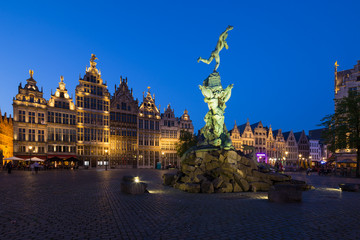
(6, 137)
(279, 146)
(61, 124)
(98, 129)
(29, 123)
(93, 117)
(346, 81)
(260, 135)
(170, 133)
(315, 151)
(171, 128)
(123, 127)
(149, 132)
(291, 148)
(303, 146)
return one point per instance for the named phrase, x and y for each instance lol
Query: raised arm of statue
(227, 92)
(219, 46)
(224, 35)
(206, 92)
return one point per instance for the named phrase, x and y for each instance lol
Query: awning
(35, 159)
(72, 159)
(53, 159)
(14, 158)
(346, 161)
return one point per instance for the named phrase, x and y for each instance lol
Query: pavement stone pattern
(88, 204)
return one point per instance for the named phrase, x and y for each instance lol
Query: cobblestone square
(88, 204)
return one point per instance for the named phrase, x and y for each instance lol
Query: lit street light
(162, 162)
(106, 159)
(30, 151)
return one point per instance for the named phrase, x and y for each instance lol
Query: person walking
(36, 166)
(9, 167)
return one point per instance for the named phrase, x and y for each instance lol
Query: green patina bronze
(214, 131)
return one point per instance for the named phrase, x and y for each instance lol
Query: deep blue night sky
(280, 58)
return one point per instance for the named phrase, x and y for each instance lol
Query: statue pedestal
(220, 171)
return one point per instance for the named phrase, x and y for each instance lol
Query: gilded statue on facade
(92, 60)
(219, 46)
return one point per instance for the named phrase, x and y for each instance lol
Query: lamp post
(162, 160)
(299, 160)
(30, 151)
(310, 162)
(106, 159)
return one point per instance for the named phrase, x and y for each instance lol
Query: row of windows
(148, 140)
(29, 135)
(124, 106)
(148, 124)
(124, 132)
(92, 150)
(123, 146)
(92, 79)
(123, 117)
(169, 123)
(92, 118)
(92, 103)
(93, 135)
(260, 141)
(60, 134)
(148, 158)
(62, 118)
(169, 134)
(96, 90)
(61, 149)
(258, 133)
(25, 149)
(31, 117)
(168, 146)
(61, 104)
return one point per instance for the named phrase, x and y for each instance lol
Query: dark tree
(343, 127)
(186, 141)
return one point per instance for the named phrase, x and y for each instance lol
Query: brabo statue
(214, 132)
(219, 46)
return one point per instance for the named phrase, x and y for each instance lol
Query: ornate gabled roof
(148, 104)
(277, 133)
(245, 126)
(269, 132)
(185, 116)
(298, 135)
(31, 83)
(288, 134)
(235, 129)
(6, 120)
(61, 93)
(30, 92)
(123, 91)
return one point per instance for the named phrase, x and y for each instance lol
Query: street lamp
(106, 160)
(30, 151)
(162, 160)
